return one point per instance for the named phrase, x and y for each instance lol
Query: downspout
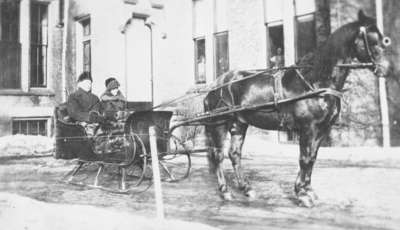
(60, 23)
(64, 90)
(124, 31)
(150, 26)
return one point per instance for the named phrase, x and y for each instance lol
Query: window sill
(32, 92)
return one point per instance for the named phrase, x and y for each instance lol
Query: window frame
(196, 70)
(44, 65)
(45, 119)
(296, 27)
(267, 28)
(85, 39)
(215, 35)
(14, 45)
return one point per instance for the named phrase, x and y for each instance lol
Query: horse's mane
(338, 46)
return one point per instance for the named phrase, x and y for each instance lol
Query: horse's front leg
(238, 134)
(216, 138)
(310, 141)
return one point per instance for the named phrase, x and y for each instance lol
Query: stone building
(30, 60)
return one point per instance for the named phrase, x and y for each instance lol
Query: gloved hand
(95, 117)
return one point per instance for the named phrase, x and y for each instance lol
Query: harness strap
(332, 92)
(278, 89)
(304, 80)
(363, 31)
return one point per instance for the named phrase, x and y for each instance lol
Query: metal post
(156, 173)
(382, 84)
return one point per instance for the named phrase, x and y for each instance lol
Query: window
(39, 30)
(221, 53)
(29, 127)
(274, 26)
(86, 28)
(275, 44)
(10, 48)
(305, 27)
(9, 20)
(200, 60)
(306, 36)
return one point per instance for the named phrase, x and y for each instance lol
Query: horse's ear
(361, 16)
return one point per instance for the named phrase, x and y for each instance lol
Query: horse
(311, 118)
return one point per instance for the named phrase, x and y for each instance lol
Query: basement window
(31, 126)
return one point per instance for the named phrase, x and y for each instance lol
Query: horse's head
(370, 44)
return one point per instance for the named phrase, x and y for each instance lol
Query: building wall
(174, 50)
(172, 46)
(33, 102)
(247, 34)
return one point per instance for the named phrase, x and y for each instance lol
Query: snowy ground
(22, 145)
(19, 212)
(358, 189)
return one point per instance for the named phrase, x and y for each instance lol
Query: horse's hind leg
(216, 136)
(238, 134)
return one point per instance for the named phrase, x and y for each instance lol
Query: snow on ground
(25, 145)
(18, 212)
(256, 145)
(358, 189)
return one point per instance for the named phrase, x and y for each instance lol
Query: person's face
(114, 92)
(85, 85)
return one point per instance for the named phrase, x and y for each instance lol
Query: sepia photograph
(199, 114)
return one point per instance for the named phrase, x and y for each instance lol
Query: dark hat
(112, 83)
(85, 76)
(108, 80)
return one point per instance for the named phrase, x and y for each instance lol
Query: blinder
(386, 41)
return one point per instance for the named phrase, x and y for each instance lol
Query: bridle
(385, 40)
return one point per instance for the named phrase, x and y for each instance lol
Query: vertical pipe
(60, 23)
(150, 26)
(64, 53)
(124, 31)
(156, 173)
(126, 66)
(382, 84)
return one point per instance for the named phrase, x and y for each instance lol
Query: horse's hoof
(251, 194)
(227, 196)
(305, 201)
(312, 195)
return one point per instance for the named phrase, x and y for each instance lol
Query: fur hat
(85, 76)
(111, 83)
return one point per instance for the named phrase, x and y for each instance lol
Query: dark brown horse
(311, 118)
